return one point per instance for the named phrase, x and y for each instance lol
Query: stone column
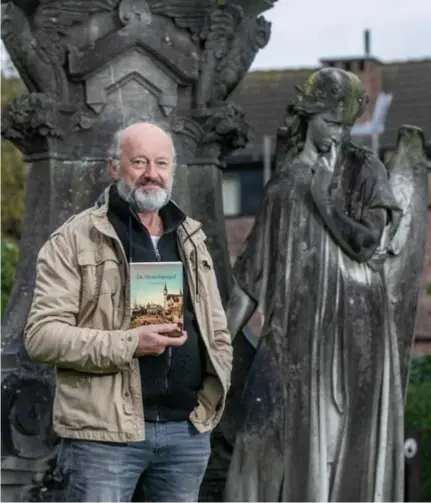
(92, 67)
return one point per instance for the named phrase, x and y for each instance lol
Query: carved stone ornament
(92, 67)
(107, 44)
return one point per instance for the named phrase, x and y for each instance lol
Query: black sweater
(171, 380)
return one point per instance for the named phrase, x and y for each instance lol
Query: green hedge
(418, 416)
(9, 260)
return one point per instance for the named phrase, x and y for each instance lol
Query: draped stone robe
(322, 405)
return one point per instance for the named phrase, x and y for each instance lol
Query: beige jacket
(78, 319)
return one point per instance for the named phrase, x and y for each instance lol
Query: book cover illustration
(156, 293)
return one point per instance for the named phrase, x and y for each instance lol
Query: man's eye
(140, 162)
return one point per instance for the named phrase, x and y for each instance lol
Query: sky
(303, 31)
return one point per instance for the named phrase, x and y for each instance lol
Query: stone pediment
(183, 66)
(135, 66)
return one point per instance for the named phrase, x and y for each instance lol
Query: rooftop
(264, 95)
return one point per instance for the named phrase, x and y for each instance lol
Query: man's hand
(152, 341)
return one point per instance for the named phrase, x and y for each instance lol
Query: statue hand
(328, 160)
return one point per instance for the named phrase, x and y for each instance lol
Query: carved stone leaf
(224, 130)
(52, 18)
(60, 14)
(251, 36)
(189, 14)
(255, 7)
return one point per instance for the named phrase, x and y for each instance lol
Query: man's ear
(112, 167)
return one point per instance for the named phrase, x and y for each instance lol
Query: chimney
(367, 50)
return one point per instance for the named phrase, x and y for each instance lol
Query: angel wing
(403, 189)
(408, 177)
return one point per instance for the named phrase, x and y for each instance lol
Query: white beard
(144, 201)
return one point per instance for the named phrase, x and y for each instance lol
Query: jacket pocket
(101, 290)
(88, 401)
(100, 272)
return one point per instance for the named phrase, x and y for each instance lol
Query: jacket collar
(188, 229)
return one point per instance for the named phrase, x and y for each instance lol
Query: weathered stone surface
(333, 262)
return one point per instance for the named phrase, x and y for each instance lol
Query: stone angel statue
(325, 264)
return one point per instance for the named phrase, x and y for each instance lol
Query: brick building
(263, 95)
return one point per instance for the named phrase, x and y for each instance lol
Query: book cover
(156, 293)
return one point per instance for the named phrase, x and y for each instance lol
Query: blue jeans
(168, 465)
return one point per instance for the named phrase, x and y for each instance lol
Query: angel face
(145, 177)
(325, 129)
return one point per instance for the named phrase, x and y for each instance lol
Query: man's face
(145, 177)
(323, 130)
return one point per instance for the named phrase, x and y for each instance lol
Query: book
(156, 294)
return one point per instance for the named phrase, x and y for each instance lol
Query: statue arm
(358, 238)
(239, 310)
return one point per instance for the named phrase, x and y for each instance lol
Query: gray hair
(114, 151)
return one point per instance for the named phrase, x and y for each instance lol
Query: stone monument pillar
(92, 67)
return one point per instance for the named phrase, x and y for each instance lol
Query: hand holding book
(154, 339)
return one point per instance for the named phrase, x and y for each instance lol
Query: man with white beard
(133, 407)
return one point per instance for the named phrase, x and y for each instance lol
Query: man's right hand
(152, 341)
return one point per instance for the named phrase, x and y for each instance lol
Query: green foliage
(13, 172)
(418, 416)
(428, 289)
(420, 370)
(10, 88)
(9, 260)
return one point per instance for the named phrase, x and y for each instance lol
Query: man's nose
(151, 170)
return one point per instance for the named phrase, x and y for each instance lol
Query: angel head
(326, 107)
